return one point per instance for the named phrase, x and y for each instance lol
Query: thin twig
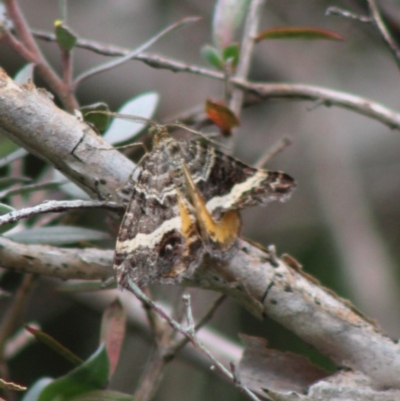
(156, 325)
(347, 14)
(246, 52)
(326, 97)
(36, 56)
(360, 105)
(179, 344)
(380, 24)
(56, 207)
(279, 147)
(21, 25)
(133, 53)
(19, 341)
(14, 313)
(67, 68)
(151, 378)
(188, 331)
(154, 61)
(9, 39)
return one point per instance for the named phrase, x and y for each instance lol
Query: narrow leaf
(298, 33)
(212, 56)
(54, 345)
(112, 332)
(4, 209)
(11, 386)
(221, 116)
(104, 395)
(65, 37)
(57, 235)
(228, 16)
(89, 376)
(99, 120)
(121, 130)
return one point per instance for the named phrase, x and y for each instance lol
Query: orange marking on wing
(223, 232)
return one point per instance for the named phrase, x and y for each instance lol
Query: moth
(188, 195)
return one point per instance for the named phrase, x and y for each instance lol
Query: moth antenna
(138, 119)
(193, 131)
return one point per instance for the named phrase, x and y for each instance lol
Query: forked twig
(114, 63)
(246, 52)
(165, 352)
(358, 104)
(188, 331)
(277, 148)
(380, 24)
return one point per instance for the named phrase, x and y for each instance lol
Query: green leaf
(121, 130)
(104, 395)
(53, 344)
(231, 54)
(99, 120)
(25, 74)
(89, 376)
(112, 332)
(298, 33)
(4, 209)
(65, 37)
(57, 235)
(212, 56)
(228, 16)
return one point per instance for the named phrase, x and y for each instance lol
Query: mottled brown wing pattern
(161, 234)
(228, 184)
(153, 242)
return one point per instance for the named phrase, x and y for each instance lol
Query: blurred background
(342, 224)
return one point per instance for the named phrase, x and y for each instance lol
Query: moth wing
(228, 184)
(154, 243)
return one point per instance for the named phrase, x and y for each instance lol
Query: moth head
(159, 133)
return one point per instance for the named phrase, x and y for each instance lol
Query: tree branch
(326, 97)
(380, 24)
(366, 107)
(287, 295)
(30, 118)
(65, 264)
(263, 286)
